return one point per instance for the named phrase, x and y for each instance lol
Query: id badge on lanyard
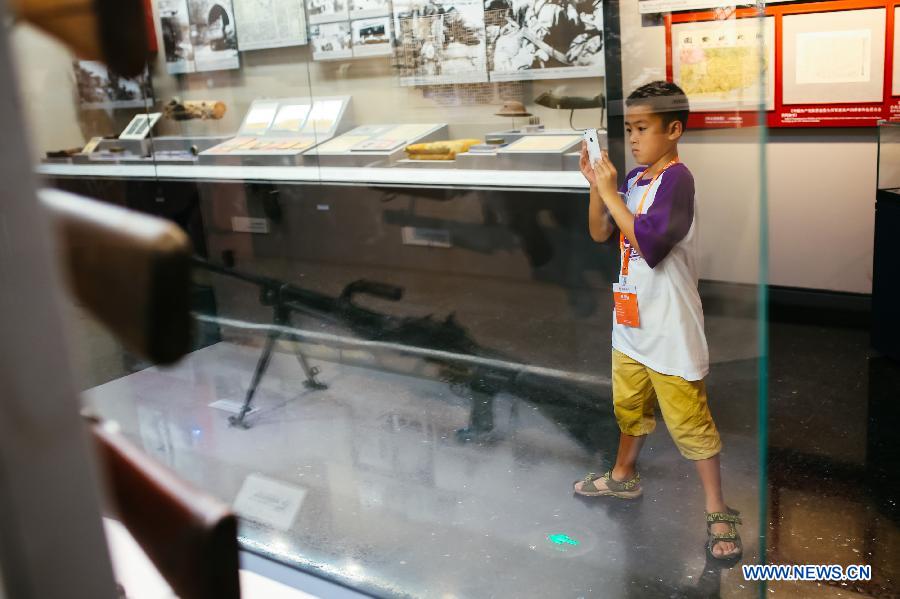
(624, 294)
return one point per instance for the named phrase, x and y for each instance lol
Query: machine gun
(468, 368)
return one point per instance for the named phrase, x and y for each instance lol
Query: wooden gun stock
(114, 31)
(130, 270)
(190, 536)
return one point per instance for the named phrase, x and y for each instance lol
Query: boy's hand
(606, 176)
(587, 169)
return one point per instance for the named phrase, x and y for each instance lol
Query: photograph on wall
(371, 37)
(725, 65)
(176, 34)
(361, 9)
(213, 35)
(270, 23)
(326, 11)
(833, 58)
(331, 41)
(440, 42)
(98, 87)
(537, 39)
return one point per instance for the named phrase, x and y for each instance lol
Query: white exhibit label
(140, 126)
(268, 501)
(245, 224)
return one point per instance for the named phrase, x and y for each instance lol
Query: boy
(659, 346)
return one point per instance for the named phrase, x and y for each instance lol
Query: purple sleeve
(669, 218)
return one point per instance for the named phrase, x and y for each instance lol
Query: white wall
(821, 190)
(820, 182)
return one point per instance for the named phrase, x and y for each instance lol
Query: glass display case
(885, 288)
(402, 322)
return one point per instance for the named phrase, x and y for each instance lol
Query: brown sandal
(732, 518)
(628, 489)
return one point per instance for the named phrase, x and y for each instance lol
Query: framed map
(725, 65)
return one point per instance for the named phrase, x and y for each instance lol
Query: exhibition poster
(327, 11)
(213, 35)
(270, 23)
(98, 87)
(440, 42)
(176, 33)
(538, 39)
(331, 41)
(371, 37)
(361, 9)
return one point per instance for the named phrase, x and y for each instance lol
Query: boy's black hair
(665, 99)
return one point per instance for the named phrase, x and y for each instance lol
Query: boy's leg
(685, 410)
(626, 457)
(633, 403)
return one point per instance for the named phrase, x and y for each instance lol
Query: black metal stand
(281, 317)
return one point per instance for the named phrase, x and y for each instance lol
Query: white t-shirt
(671, 339)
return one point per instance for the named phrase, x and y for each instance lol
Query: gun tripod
(281, 317)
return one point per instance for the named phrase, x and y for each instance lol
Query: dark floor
(833, 456)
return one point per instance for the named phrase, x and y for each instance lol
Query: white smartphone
(593, 145)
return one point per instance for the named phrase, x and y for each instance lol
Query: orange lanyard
(640, 208)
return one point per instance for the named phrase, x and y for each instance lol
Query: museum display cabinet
(401, 324)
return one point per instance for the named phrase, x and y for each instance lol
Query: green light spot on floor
(563, 540)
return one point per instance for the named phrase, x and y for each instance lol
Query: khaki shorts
(636, 389)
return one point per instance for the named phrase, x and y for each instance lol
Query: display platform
(375, 145)
(564, 181)
(278, 132)
(540, 152)
(374, 458)
(155, 150)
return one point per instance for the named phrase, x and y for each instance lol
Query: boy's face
(648, 136)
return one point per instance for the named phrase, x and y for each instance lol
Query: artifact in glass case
(185, 110)
(470, 369)
(277, 132)
(374, 145)
(436, 153)
(551, 99)
(541, 152)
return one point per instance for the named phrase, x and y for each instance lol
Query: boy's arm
(600, 222)
(667, 221)
(608, 193)
(600, 225)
